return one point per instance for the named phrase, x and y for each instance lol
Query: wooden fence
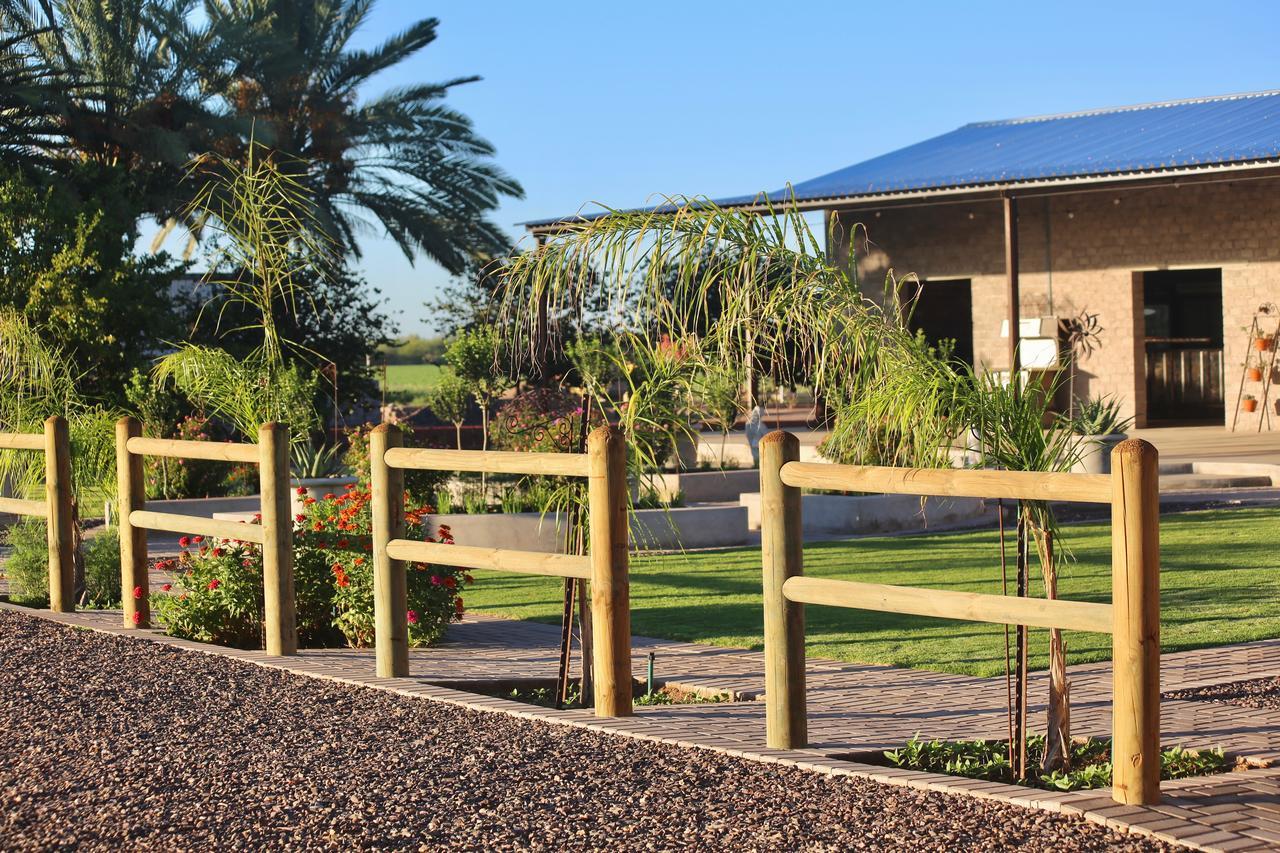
(604, 467)
(275, 534)
(1132, 617)
(55, 508)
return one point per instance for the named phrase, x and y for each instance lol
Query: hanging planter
(1249, 403)
(1264, 344)
(1253, 374)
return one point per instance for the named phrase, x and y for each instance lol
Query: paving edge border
(1093, 806)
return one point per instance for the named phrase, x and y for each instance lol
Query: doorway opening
(944, 312)
(1182, 310)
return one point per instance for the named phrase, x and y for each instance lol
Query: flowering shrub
(333, 535)
(421, 485)
(216, 595)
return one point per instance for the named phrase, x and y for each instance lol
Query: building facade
(1173, 274)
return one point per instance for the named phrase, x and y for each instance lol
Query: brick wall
(1092, 249)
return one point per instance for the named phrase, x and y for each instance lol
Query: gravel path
(1261, 693)
(115, 743)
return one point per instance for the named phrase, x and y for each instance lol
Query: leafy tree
(67, 264)
(403, 159)
(450, 400)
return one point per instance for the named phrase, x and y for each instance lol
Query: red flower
(329, 496)
(137, 618)
(299, 517)
(309, 501)
(435, 580)
(214, 584)
(137, 592)
(218, 552)
(412, 616)
(167, 587)
(359, 561)
(197, 539)
(450, 582)
(457, 605)
(184, 542)
(342, 543)
(301, 490)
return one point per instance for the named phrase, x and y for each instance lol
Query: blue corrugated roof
(1135, 140)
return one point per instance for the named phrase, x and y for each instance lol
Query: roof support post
(1011, 280)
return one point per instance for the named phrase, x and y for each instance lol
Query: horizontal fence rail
(947, 482)
(500, 559)
(274, 534)
(949, 604)
(489, 461)
(1132, 618)
(20, 506)
(198, 525)
(214, 451)
(605, 567)
(21, 441)
(56, 508)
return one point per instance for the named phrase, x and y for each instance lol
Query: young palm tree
(402, 160)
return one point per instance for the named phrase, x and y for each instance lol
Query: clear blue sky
(612, 102)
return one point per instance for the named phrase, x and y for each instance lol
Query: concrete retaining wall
(850, 514)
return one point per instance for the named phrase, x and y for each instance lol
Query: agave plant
(1098, 416)
(316, 463)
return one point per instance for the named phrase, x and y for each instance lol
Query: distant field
(413, 380)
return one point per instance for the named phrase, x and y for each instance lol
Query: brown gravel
(1261, 693)
(116, 743)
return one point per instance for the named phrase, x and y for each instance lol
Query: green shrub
(27, 567)
(421, 485)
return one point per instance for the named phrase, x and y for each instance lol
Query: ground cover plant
(715, 597)
(27, 566)
(1090, 762)
(216, 594)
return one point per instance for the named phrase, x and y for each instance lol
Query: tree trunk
(1057, 746)
(457, 432)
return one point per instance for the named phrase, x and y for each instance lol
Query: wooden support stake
(131, 496)
(1135, 597)
(277, 549)
(782, 549)
(390, 585)
(610, 591)
(58, 495)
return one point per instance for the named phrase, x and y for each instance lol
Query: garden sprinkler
(649, 692)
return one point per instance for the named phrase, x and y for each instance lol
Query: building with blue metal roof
(1160, 221)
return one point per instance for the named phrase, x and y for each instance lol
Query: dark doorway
(944, 310)
(1183, 317)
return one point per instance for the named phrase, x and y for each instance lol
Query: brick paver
(856, 708)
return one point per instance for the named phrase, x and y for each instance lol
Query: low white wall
(848, 514)
(651, 529)
(705, 486)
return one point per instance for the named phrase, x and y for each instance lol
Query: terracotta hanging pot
(1263, 344)
(1254, 374)
(1249, 404)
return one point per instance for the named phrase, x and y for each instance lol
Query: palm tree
(403, 160)
(136, 77)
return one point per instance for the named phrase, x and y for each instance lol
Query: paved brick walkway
(858, 709)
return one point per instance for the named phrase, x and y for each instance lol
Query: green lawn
(1220, 584)
(412, 379)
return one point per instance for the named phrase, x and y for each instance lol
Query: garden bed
(989, 760)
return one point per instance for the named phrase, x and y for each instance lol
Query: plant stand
(1265, 325)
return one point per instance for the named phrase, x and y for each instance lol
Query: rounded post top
(779, 436)
(604, 432)
(55, 421)
(1136, 448)
(273, 427)
(381, 429)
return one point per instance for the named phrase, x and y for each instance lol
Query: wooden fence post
(782, 549)
(131, 495)
(610, 583)
(1135, 601)
(277, 548)
(58, 494)
(390, 593)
